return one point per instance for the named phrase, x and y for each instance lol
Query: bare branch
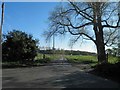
(113, 41)
(110, 15)
(110, 37)
(77, 27)
(81, 35)
(110, 26)
(82, 13)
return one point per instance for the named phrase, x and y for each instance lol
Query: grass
(38, 61)
(47, 56)
(12, 64)
(88, 59)
(113, 59)
(85, 59)
(81, 58)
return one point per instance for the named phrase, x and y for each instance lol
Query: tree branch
(77, 27)
(110, 26)
(81, 34)
(109, 37)
(110, 15)
(81, 12)
(113, 41)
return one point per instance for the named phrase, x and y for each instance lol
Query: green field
(89, 59)
(81, 59)
(113, 60)
(48, 57)
(84, 59)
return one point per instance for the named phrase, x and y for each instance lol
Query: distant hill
(73, 52)
(66, 52)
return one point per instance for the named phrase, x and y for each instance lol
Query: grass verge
(85, 59)
(39, 60)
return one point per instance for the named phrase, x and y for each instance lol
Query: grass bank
(88, 59)
(39, 60)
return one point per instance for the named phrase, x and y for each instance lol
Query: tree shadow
(88, 62)
(72, 80)
(82, 61)
(83, 80)
(75, 79)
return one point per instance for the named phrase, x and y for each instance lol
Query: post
(44, 53)
(53, 44)
(2, 17)
(2, 14)
(107, 57)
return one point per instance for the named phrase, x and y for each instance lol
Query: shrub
(18, 46)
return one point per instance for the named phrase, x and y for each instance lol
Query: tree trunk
(101, 53)
(98, 29)
(102, 57)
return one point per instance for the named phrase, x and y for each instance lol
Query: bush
(18, 46)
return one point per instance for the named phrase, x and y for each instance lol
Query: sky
(32, 18)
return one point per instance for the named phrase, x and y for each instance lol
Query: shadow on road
(54, 76)
(83, 80)
(73, 80)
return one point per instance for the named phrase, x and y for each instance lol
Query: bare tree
(96, 21)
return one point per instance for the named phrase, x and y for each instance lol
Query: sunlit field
(89, 59)
(48, 56)
(85, 59)
(113, 60)
(81, 58)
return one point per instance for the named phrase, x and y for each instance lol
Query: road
(58, 74)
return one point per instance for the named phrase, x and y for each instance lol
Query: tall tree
(95, 21)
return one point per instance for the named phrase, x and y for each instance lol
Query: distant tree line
(66, 52)
(69, 52)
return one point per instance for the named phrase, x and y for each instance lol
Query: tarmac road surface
(59, 74)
